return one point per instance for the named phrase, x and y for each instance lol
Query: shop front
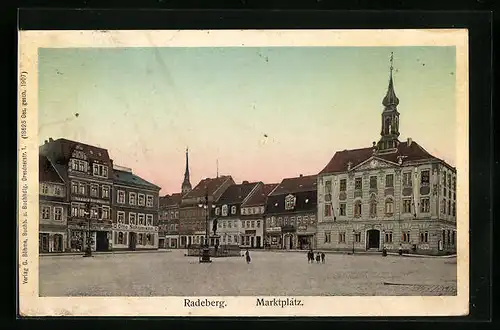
(100, 236)
(249, 239)
(273, 238)
(52, 239)
(305, 237)
(135, 237)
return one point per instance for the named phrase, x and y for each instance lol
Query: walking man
(322, 257)
(318, 258)
(247, 255)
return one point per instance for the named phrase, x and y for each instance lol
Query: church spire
(390, 118)
(186, 184)
(390, 98)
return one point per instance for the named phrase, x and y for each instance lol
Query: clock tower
(390, 119)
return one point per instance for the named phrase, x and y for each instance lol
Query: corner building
(393, 194)
(87, 173)
(135, 216)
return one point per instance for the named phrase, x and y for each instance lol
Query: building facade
(231, 229)
(135, 216)
(53, 213)
(291, 214)
(393, 195)
(87, 173)
(193, 211)
(169, 221)
(253, 217)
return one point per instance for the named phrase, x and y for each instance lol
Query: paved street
(269, 274)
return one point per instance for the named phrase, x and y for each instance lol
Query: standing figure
(322, 257)
(400, 249)
(247, 255)
(308, 256)
(318, 258)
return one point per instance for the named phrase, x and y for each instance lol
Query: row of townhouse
(84, 198)
(393, 194)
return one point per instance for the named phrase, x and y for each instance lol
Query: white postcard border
(32, 305)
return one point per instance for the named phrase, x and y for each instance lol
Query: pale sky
(146, 105)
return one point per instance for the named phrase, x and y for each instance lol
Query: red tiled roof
(294, 185)
(47, 172)
(236, 193)
(259, 197)
(209, 185)
(171, 200)
(340, 160)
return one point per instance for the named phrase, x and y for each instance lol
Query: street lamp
(353, 233)
(205, 257)
(88, 249)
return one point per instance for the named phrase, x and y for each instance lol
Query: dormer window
(290, 202)
(217, 211)
(233, 209)
(224, 210)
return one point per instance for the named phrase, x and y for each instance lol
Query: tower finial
(217, 167)
(390, 98)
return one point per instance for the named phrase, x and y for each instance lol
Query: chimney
(374, 144)
(300, 175)
(51, 140)
(245, 182)
(409, 142)
(46, 142)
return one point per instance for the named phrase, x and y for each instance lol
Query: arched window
(389, 206)
(387, 124)
(120, 238)
(357, 208)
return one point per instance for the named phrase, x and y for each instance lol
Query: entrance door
(43, 243)
(373, 239)
(132, 241)
(101, 241)
(258, 242)
(252, 241)
(58, 243)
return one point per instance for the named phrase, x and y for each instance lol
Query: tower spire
(390, 117)
(186, 184)
(217, 167)
(390, 98)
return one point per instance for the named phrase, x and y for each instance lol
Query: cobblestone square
(269, 274)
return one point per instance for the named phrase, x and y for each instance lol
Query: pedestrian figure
(318, 258)
(400, 249)
(247, 255)
(322, 257)
(311, 256)
(308, 256)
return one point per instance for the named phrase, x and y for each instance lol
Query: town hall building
(393, 194)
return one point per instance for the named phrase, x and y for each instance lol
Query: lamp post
(205, 257)
(88, 249)
(353, 233)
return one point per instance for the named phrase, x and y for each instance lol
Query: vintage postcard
(243, 173)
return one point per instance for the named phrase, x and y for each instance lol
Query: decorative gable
(374, 163)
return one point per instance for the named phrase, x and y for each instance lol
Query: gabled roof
(236, 193)
(47, 172)
(128, 178)
(294, 185)
(208, 185)
(260, 195)
(62, 149)
(409, 151)
(171, 200)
